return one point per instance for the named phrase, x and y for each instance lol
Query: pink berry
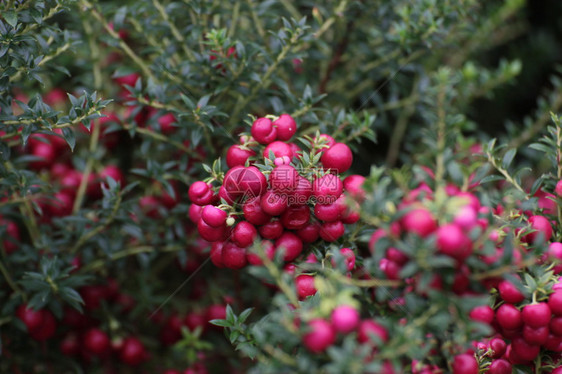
(210, 233)
(353, 185)
(254, 213)
(200, 193)
(271, 230)
(419, 221)
(286, 127)
(466, 217)
(295, 217)
(332, 231)
(327, 189)
(321, 335)
(465, 364)
(338, 158)
(452, 241)
(509, 317)
(558, 188)
(279, 150)
(309, 233)
(542, 228)
(500, 366)
(244, 234)
(232, 256)
(273, 203)
(526, 352)
(536, 336)
(291, 244)
(498, 347)
(305, 286)
(509, 293)
(283, 178)
(96, 341)
(213, 216)
(263, 131)
(345, 319)
(482, 313)
(370, 330)
(536, 315)
(238, 155)
(216, 254)
(328, 212)
(555, 303)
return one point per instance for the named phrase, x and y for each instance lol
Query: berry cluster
(277, 193)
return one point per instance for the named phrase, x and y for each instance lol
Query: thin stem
(506, 175)
(338, 12)
(234, 19)
(45, 59)
(175, 32)
(441, 137)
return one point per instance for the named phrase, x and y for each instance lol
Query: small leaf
(11, 17)
(508, 158)
(70, 137)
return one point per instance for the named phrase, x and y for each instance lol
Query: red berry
(269, 249)
(370, 330)
(509, 317)
(166, 123)
(31, 318)
(303, 191)
(132, 352)
(326, 140)
(353, 185)
(209, 233)
(536, 336)
(452, 241)
(254, 213)
(47, 328)
(332, 231)
(524, 351)
(271, 230)
(61, 205)
(419, 221)
(240, 181)
(345, 319)
(216, 254)
(295, 217)
(263, 131)
(309, 233)
(500, 366)
(542, 227)
(215, 311)
(327, 189)
(238, 155)
(329, 212)
(286, 127)
(498, 346)
(114, 172)
(349, 258)
(194, 319)
(482, 313)
(290, 244)
(200, 193)
(394, 254)
(233, 257)
(465, 364)
(320, 336)
(338, 158)
(213, 216)
(555, 325)
(558, 188)
(536, 315)
(283, 178)
(279, 150)
(553, 343)
(509, 293)
(244, 234)
(96, 341)
(305, 286)
(273, 203)
(195, 212)
(555, 303)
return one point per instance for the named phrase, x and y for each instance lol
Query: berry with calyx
(337, 158)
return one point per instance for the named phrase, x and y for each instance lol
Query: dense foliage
(309, 179)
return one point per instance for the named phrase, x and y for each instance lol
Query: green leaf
(508, 158)
(220, 322)
(11, 17)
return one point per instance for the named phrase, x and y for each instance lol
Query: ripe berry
(542, 227)
(290, 244)
(326, 140)
(332, 231)
(345, 319)
(273, 203)
(303, 191)
(132, 352)
(353, 185)
(328, 212)
(309, 233)
(240, 181)
(500, 366)
(370, 330)
(509, 317)
(465, 364)
(215, 311)
(555, 303)
(555, 326)
(305, 286)
(394, 254)
(283, 178)
(320, 336)
(452, 241)
(195, 212)
(419, 221)
(96, 341)
(244, 234)
(47, 329)
(498, 346)
(482, 313)
(338, 157)
(268, 248)
(254, 213)
(525, 352)
(271, 230)
(327, 189)
(216, 254)
(263, 131)
(31, 318)
(213, 216)
(536, 336)
(286, 127)
(200, 193)
(553, 343)
(279, 150)
(209, 233)
(349, 258)
(536, 315)
(237, 155)
(509, 293)
(232, 256)
(558, 188)
(295, 217)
